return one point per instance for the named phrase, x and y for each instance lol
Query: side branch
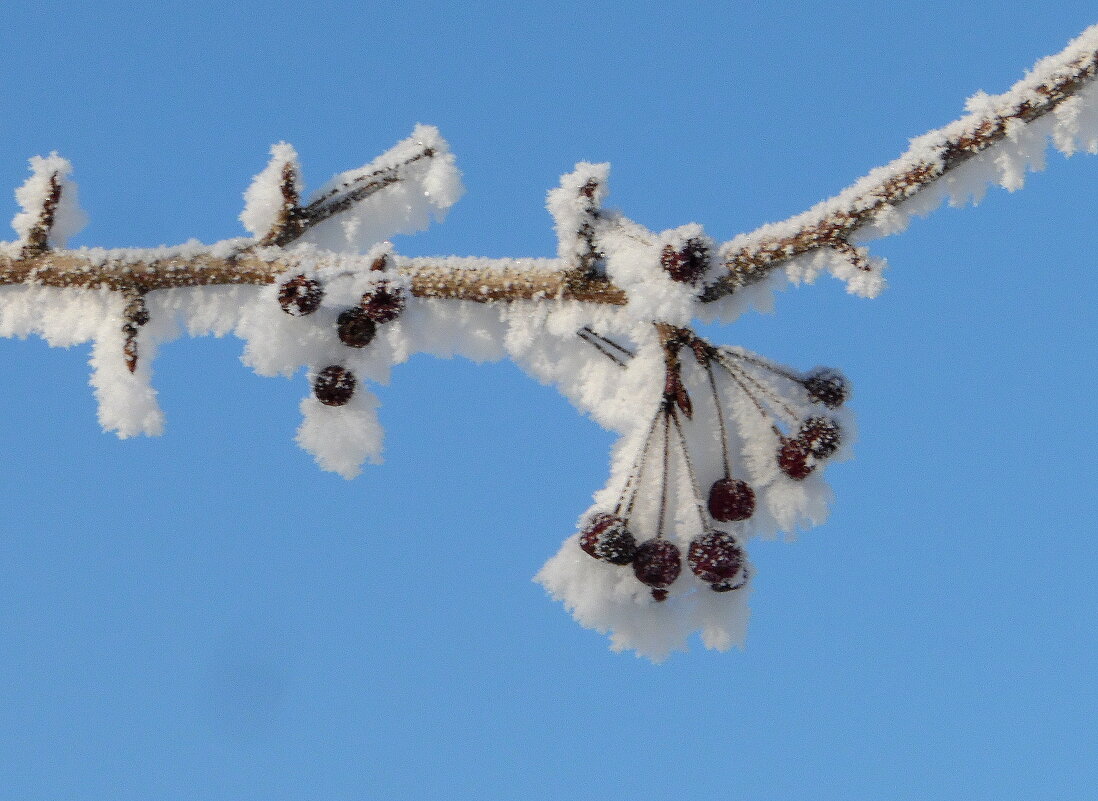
(831, 224)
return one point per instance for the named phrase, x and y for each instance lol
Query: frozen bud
(826, 386)
(731, 499)
(300, 296)
(821, 436)
(794, 459)
(355, 328)
(715, 557)
(688, 264)
(657, 564)
(334, 385)
(606, 537)
(383, 303)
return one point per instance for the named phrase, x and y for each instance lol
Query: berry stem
(636, 472)
(742, 377)
(694, 488)
(668, 411)
(603, 345)
(755, 360)
(720, 419)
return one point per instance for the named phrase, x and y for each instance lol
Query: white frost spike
(1077, 123)
(572, 207)
(127, 401)
(342, 438)
(428, 186)
(68, 217)
(263, 199)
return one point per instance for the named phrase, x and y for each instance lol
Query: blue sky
(206, 615)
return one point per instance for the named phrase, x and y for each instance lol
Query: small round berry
(383, 303)
(826, 386)
(595, 526)
(617, 545)
(731, 499)
(688, 264)
(606, 537)
(821, 436)
(793, 459)
(300, 296)
(355, 328)
(334, 385)
(657, 564)
(589, 537)
(715, 557)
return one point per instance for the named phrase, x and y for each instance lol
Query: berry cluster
(355, 327)
(816, 437)
(714, 556)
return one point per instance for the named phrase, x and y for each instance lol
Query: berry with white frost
(300, 296)
(657, 564)
(731, 499)
(334, 385)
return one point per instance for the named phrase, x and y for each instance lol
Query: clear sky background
(207, 615)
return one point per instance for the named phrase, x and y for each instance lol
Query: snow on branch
(718, 445)
(1058, 91)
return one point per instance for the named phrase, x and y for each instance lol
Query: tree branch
(748, 258)
(931, 156)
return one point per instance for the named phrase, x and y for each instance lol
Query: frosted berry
(657, 564)
(826, 386)
(589, 537)
(794, 459)
(334, 385)
(715, 557)
(383, 303)
(821, 436)
(731, 499)
(688, 264)
(355, 328)
(606, 537)
(300, 296)
(617, 546)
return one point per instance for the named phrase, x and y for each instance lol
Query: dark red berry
(300, 296)
(606, 537)
(715, 557)
(617, 546)
(826, 386)
(821, 436)
(334, 385)
(731, 499)
(589, 537)
(383, 303)
(793, 459)
(688, 264)
(355, 328)
(657, 564)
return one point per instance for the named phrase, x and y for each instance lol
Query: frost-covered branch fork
(718, 444)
